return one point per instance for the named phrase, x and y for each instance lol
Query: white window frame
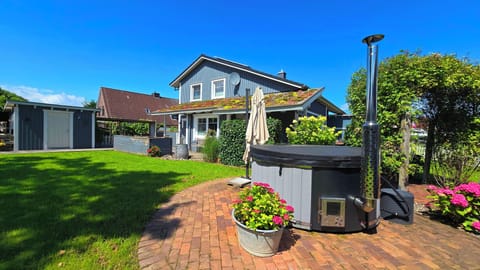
(224, 80)
(192, 92)
(204, 116)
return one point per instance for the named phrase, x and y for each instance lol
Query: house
(41, 126)
(127, 106)
(213, 89)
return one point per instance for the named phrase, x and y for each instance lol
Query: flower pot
(261, 243)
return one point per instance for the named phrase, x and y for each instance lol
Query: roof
(283, 101)
(132, 106)
(237, 66)
(10, 104)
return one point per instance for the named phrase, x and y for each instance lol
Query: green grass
(86, 210)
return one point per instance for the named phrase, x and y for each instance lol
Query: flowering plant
(461, 205)
(153, 151)
(260, 207)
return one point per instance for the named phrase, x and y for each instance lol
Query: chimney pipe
(370, 175)
(282, 74)
(155, 94)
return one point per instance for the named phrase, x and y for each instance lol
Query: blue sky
(63, 51)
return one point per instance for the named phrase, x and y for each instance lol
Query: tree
(92, 104)
(444, 89)
(6, 95)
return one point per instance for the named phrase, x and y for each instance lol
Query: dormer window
(218, 88)
(196, 92)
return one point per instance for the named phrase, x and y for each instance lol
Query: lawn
(86, 210)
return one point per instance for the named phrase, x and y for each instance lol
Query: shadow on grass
(54, 203)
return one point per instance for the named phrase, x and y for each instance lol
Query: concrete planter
(261, 243)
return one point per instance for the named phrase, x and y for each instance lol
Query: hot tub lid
(322, 156)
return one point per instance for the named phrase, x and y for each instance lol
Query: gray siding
(30, 129)
(82, 131)
(280, 179)
(209, 71)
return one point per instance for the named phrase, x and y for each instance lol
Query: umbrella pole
(247, 93)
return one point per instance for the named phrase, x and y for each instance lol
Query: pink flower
(282, 201)
(476, 225)
(277, 220)
(257, 211)
(237, 201)
(444, 191)
(249, 198)
(289, 208)
(472, 187)
(286, 217)
(459, 200)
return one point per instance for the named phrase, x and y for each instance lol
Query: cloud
(345, 108)
(45, 95)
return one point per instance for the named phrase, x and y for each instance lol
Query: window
(195, 92)
(218, 88)
(205, 125)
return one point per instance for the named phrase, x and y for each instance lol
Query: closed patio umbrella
(257, 130)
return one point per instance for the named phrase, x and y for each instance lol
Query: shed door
(58, 129)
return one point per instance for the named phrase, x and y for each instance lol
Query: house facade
(41, 126)
(213, 89)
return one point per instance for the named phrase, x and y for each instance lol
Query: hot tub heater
(332, 188)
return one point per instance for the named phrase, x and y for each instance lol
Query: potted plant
(260, 216)
(153, 151)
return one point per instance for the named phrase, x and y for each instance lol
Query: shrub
(311, 130)
(210, 149)
(459, 205)
(274, 130)
(153, 151)
(232, 142)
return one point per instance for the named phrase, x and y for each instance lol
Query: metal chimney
(370, 175)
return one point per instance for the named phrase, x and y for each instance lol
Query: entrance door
(57, 129)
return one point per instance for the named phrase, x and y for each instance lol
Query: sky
(63, 51)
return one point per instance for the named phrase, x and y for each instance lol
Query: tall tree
(6, 95)
(92, 104)
(442, 88)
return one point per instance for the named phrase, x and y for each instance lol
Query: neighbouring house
(126, 106)
(41, 126)
(213, 89)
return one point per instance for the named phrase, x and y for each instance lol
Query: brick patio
(195, 231)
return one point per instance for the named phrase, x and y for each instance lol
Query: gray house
(213, 89)
(41, 126)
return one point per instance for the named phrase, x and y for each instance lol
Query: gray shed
(41, 126)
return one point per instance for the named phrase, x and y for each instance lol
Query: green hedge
(232, 139)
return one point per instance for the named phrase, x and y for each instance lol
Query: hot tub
(320, 182)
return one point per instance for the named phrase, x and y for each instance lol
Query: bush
(153, 151)
(459, 205)
(311, 130)
(210, 149)
(274, 130)
(232, 142)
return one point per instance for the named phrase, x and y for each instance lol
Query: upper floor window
(218, 88)
(196, 92)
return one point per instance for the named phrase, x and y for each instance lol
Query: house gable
(206, 70)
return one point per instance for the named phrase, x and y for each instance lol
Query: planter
(261, 243)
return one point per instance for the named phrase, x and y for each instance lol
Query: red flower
(249, 198)
(277, 220)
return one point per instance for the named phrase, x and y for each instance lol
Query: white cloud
(345, 108)
(45, 95)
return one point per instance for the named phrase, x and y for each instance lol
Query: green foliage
(6, 95)
(210, 149)
(460, 205)
(442, 88)
(92, 104)
(131, 129)
(311, 130)
(260, 207)
(232, 142)
(86, 210)
(153, 151)
(274, 130)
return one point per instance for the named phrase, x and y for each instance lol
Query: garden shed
(41, 126)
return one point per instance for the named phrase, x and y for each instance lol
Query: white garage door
(58, 129)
